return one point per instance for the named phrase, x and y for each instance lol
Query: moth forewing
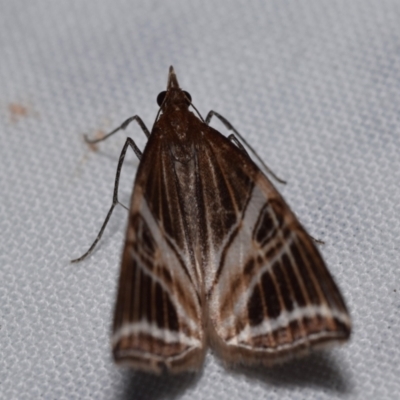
(270, 296)
(158, 319)
(214, 255)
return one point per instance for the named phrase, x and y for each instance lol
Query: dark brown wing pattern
(272, 296)
(158, 319)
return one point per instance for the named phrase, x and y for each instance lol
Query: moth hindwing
(213, 255)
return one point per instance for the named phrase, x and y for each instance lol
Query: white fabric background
(314, 86)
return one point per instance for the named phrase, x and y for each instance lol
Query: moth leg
(123, 126)
(230, 127)
(132, 144)
(235, 140)
(319, 241)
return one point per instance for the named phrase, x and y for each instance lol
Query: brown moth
(213, 255)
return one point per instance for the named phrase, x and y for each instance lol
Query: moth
(213, 255)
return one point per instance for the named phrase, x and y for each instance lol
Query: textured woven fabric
(314, 86)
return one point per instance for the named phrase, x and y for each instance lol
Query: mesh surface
(314, 86)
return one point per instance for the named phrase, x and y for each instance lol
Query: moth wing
(158, 321)
(270, 295)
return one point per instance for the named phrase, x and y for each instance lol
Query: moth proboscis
(213, 255)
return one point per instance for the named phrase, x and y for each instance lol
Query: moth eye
(188, 96)
(161, 97)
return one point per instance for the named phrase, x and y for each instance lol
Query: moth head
(174, 96)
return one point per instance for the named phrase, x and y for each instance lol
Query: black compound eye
(188, 96)
(161, 97)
